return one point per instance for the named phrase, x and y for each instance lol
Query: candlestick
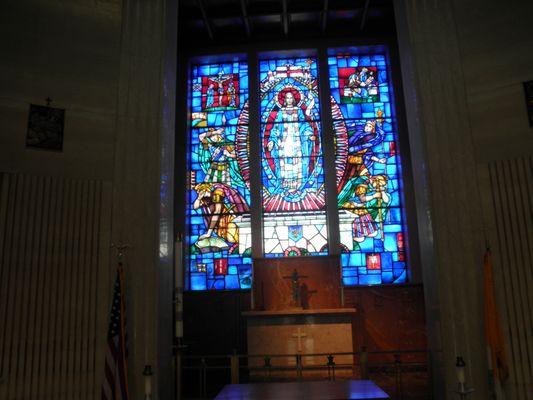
(463, 391)
(148, 382)
(460, 367)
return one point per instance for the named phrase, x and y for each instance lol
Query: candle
(460, 366)
(148, 382)
(148, 386)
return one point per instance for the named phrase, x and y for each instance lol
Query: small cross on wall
(299, 335)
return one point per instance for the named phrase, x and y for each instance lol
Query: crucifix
(299, 335)
(295, 286)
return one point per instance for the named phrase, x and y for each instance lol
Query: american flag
(115, 385)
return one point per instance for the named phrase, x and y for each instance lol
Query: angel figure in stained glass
(290, 142)
(220, 204)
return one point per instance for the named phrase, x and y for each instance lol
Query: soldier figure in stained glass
(216, 155)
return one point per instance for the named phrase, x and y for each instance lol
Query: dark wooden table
(319, 390)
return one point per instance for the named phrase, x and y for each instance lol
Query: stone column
(254, 133)
(143, 185)
(450, 226)
(328, 146)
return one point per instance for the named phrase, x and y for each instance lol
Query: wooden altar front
(298, 310)
(319, 283)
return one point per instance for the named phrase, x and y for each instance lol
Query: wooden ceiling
(212, 22)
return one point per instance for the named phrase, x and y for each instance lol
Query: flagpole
(121, 249)
(115, 382)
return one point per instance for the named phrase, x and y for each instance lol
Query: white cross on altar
(299, 335)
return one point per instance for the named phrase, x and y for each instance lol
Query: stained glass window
(368, 170)
(293, 193)
(218, 203)
(293, 200)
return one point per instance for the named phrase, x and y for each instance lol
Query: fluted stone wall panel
(55, 280)
(509, 216)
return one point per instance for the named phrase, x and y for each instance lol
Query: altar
(301, 332)
(298, 313)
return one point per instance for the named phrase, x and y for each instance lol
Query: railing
(388, 368)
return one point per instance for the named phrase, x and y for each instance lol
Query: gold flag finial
(121, 249)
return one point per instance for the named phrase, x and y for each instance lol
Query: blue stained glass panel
(218, 192)
(372, 227)
(293, 195)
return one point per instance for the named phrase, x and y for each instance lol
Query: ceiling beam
(207, 23)
(245, 18)
(363, 15)
(285, 18)
(325, 16)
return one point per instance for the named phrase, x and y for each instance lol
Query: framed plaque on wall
(45, 127)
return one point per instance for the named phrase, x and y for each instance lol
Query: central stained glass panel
(293, 190)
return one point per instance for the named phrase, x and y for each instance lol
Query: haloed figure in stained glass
(290, 143)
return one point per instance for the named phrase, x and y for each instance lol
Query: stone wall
(463, 66)
(495, 47)
(68, 51)
(111, 65)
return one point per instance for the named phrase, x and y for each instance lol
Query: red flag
(115, 385)
(493, 331)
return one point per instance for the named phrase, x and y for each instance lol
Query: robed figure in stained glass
(218, 196)
(360, 147)
(362, 193)
(293, 190)
(210, 101)
(220, 204)
(291, 145)
(368, 199)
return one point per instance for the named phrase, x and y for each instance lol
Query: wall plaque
(45, 127)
